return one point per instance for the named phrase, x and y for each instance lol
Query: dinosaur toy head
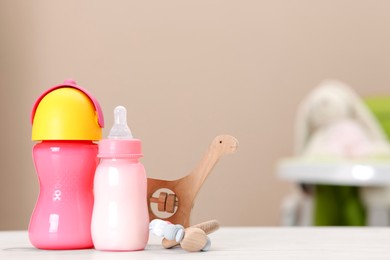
(225, 143)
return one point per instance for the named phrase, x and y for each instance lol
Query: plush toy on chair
(334, 124)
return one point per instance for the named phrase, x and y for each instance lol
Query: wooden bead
(195, 239)
(171, 203)
(162, 201)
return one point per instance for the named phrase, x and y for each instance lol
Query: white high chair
(338, 142)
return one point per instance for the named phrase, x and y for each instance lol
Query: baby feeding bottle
(120, 220)
(66, 120)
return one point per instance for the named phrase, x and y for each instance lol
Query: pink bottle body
(120, 217)
(62, 215)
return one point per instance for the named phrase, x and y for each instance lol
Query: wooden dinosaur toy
(184, 190)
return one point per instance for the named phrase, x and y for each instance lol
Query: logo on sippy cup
(57, 195)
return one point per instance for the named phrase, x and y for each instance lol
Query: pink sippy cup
(66, 119)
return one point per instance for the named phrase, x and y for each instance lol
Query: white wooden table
(233, 243)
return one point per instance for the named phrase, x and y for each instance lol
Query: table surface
(234, 243)
(342, 172)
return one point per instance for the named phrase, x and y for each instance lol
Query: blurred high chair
(342, 161)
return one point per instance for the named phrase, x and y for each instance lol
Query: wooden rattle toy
(182, 192)
(191, 239)
(208, 227)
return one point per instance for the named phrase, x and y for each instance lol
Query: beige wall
(187, 71)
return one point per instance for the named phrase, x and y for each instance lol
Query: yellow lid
(66, 112)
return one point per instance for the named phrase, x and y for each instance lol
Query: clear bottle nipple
(120, 130)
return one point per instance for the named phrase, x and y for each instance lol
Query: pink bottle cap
(120, 148)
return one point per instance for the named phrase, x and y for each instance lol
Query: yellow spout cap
(66, 112)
